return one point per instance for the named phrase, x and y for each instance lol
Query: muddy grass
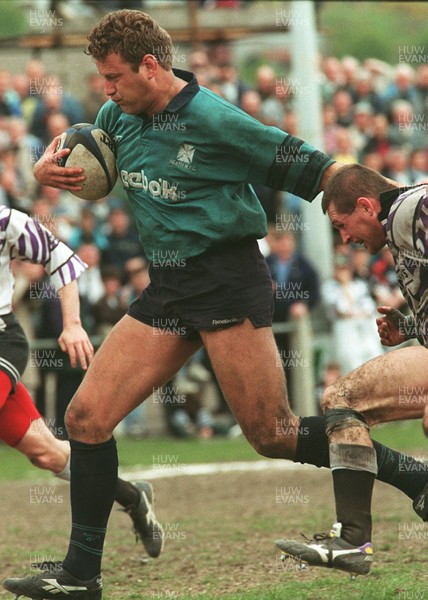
(220, 531)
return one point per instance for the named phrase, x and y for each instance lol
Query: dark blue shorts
(215, 290)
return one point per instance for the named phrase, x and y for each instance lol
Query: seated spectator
(364, 92)
(344, 148)
(361, 128)
(231, 86)
(419, 166)
(251, 103)
(88, 232)
(10, 104)
(272, 110)
(111, 307)
(384, 284)
(398, 166)
(21, 83)
(137, 273)
(401, 88)
(13, 190)
(380, 141)
(407, 128)
(330, 127)
(123, 240)
(95, 96)
(374, 161)
(350, 67)
(332, 77)
(28, 150)
(421, 101)
(342, 102)
(53, 100)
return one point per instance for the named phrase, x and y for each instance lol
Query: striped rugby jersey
(26, 239)
(404, 216)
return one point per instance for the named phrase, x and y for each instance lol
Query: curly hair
(132, 34)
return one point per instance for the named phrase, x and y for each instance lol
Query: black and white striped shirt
(25, 238)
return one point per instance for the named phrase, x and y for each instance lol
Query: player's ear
(150, 63)
(366, 204)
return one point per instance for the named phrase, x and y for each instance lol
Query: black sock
(403, 472)
(353, 494)
(92, 491)
(126, 493)
(399, 470)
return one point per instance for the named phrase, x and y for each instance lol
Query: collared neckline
(186, 94)
(388, 198)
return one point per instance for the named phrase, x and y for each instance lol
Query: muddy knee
(82, 424)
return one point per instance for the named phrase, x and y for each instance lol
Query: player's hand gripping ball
(92, 150)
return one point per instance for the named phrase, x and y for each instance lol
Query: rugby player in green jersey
(189, 187)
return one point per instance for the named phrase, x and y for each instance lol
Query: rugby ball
(92, 150)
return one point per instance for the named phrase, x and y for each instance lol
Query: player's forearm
(70, 304)
(330, 170)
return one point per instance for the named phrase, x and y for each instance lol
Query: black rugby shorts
(13, 348)
(215, 290)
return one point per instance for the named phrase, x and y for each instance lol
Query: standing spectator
(352, 312)
(296, 287)
(91, 288)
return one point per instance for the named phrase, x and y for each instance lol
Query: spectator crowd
(373, 113)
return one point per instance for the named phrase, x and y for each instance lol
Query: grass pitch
(220, 529)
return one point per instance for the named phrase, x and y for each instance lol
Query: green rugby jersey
(188, 170)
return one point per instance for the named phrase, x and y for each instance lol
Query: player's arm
(74, 340)
(48, 172)
(29, 240)
(394, 328)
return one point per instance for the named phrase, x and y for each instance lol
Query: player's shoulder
(108, 115)
(409, 215)
(222, 115)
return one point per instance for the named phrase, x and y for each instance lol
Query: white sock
(65, 473)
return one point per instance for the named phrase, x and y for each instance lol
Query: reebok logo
(158, 188)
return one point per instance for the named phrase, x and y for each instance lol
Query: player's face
(360, 227)
(131, 90)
